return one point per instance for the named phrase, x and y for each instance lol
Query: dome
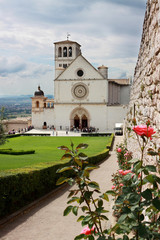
(39, 92)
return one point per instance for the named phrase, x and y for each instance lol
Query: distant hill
(17, 106)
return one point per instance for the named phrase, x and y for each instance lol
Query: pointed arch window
(59, 52)
(70, 51)
(65, 52)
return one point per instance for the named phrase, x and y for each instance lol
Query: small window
(80, 73)
(64, 65)
(44, 105)
(60, 65)
(37, 104)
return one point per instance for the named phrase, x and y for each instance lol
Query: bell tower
(65, 52)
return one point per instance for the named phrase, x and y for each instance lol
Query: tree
(2, 133)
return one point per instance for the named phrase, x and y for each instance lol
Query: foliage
(137, 205)
(2, 133)
(19, 187)
(83, 196)
(135, 190)
(18, 152)
(46, 150)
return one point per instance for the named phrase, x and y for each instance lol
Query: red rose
(143, 130)
(87, 230)
(119, 150)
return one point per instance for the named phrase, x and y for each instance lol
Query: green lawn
(46, 149)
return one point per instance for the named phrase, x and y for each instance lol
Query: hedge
(20, 187)
(16, 152)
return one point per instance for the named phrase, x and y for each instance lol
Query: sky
(109, 32)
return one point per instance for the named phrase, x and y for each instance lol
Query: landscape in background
(17, 106)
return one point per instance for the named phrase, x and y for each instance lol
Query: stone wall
(145, 92)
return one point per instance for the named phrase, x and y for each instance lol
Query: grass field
(46, 149)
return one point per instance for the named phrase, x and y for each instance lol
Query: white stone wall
(38, 118)
(115, 114)
(145, 92)
(97, 91)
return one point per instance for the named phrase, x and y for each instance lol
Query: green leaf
(111, 192)
(94, 185)
(78, 161)
(82, 146)
(150, 168)
(75, 210)
(90, 237)
(142, 231)
(66, 156)
(100, 203)
(147, 194)
(122, 218)
(62, 180)
(80, 218)
(67, 210)
(74, 199)
(86, 220)
(125, 237)
(89, 168)
(82, 156)
(105, 196)
(156, 203)
(63, 148)
(81, 236)
(87, 195)
(84, 208)
(135, 160)
(63, 169)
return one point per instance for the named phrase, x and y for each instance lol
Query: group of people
(22, 130)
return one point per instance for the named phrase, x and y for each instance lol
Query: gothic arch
(80, 116)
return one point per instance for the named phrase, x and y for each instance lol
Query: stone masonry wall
(145, 92)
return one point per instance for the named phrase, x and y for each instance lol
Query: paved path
(46, 221)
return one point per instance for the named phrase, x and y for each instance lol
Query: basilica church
(84, 97)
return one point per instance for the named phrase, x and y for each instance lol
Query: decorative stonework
(145, 93)
(80, 91)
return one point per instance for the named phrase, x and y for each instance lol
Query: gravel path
(46, 221)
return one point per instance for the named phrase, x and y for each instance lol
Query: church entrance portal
(80, 119)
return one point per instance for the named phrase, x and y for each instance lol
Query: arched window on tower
(59, 52)
(37, 104)
(65, 52)
(70, 51)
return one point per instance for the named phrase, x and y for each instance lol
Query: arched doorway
(76, 121)
(84, 121)
(79, 118)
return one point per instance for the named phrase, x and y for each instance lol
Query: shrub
(20, 187)
(16, 152)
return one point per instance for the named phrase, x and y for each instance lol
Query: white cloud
(108, 31)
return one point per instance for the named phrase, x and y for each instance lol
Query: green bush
(22, 186)
(16, 152)
(13, 135)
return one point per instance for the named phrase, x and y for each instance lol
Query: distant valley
(17, 106)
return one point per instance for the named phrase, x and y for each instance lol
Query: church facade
(84, 97)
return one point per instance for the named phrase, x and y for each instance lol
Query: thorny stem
(141, 179)
(96, 208)
(88, 207)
